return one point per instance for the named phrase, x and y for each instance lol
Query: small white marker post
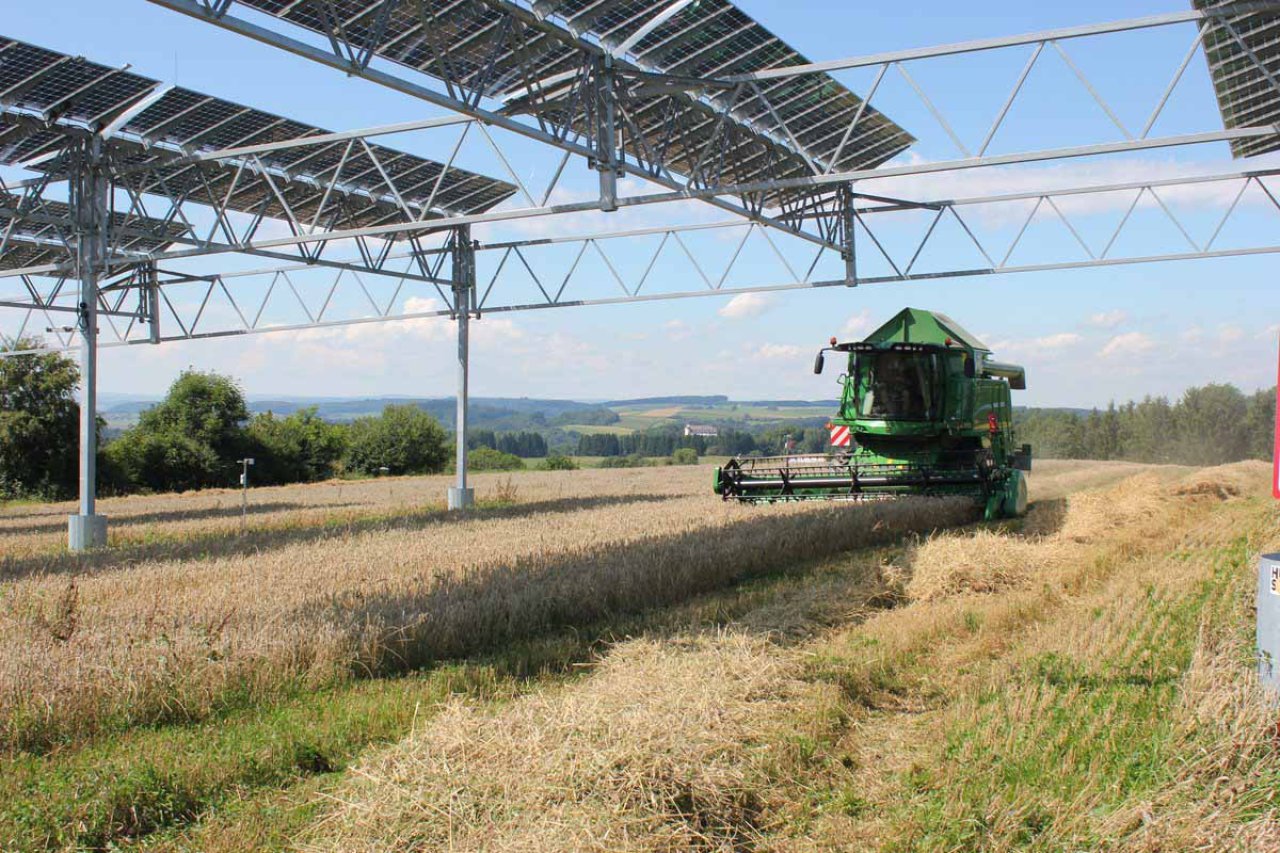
(244, 491)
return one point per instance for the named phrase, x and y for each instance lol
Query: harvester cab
(924, 410)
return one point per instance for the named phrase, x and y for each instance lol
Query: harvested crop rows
(123, 639)
(736, 739)
(788, 671)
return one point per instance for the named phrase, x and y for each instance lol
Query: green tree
(165, 461)
(206, 407)
(1211, 425)
(403, 438)
(302, 447)
(1260, 424)
(189, 440)
(39, 423)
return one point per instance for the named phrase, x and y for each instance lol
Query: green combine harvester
(924, 411)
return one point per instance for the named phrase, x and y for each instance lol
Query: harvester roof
(916, 326)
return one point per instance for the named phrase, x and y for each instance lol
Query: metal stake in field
(244, 491)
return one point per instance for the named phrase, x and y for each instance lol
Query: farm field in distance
(617, 660)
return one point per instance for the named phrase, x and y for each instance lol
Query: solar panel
(1247, 93)
(773, 134)
(40, 234)
(46, 95)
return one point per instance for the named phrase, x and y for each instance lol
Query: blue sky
(1085, 336)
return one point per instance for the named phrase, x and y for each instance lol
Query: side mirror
(820, 362)
(970, 371)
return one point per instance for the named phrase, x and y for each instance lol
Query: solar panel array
(1247, 94)
(46, 95)
(706, 39)
(41, 234)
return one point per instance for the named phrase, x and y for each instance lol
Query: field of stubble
(209, 668)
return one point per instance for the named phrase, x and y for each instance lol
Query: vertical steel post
(151, 291)
(607, 134)
(464, 280)
(848, 235)
(90, 200)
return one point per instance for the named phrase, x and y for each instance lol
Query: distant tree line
(599, 416)
(665, 441)
(1210, 425)
(526, 445)
(195, 437)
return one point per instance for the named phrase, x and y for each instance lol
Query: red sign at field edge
(1275, 454)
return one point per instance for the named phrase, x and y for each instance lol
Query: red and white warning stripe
(840, 436)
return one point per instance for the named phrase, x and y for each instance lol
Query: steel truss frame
(831, 212)
(631, 280)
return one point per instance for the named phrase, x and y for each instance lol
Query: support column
(849, 234)
(151, 301)
(607, 134)
(464, 280)
(90, 201)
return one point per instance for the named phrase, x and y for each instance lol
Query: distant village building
(700, 430)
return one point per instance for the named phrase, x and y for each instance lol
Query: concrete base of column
(86, 532)
(461, 498)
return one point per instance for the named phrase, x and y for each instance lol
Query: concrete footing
(461, 498)
(86, 532)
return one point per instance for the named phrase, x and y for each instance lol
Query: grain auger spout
(924, 411)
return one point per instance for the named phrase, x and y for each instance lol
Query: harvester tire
(1015, 496)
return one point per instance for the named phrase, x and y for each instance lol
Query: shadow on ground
(158, 517)
(255, 541)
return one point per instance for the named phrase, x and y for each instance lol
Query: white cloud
(1058, 341)
(1109, 319)
(677, 330)
(1230, 334)
(858, 325)
(1128, 344)
(1270, 333)
(778, 352)
(746, 305)
(1032, 347)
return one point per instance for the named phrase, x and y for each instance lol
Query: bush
(166, 461)
(300, 448)
(559, 462)
(632, 461)
(488, 459)
(404, 439)
(685, 456)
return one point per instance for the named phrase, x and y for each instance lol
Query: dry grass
(1068, 711)
(712, 742)
(1055, 537)
(233, 620)
(645, 756)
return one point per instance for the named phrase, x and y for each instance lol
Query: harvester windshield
(897, 385)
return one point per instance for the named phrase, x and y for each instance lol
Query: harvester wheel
(1015, 496)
